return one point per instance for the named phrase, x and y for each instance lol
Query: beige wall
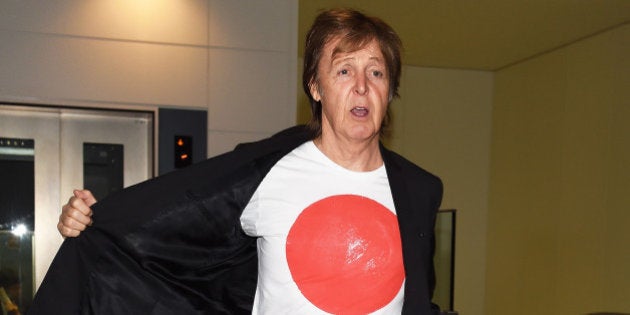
(237, 59)
(550, 136)
(442, 122)
(558, 218)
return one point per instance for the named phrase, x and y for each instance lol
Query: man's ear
(314, 88)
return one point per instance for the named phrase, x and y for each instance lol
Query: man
(10, 292)
(313, 220)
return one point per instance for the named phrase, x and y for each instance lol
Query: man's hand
(76, 215)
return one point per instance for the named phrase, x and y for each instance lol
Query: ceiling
(481, 34)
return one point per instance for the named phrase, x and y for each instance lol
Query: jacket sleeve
(161, 247)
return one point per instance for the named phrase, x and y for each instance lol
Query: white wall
(235, 58)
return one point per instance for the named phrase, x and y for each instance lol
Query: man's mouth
(360, 111)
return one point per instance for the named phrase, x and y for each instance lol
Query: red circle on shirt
(345, 256)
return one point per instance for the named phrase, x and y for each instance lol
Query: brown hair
(356, 30)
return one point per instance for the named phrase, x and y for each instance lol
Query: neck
(359, 156)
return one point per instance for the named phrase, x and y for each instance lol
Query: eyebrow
(335, 60)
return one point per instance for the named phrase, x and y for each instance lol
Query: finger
(72, 211)
(86, 195)
(78, 204)
(71, 223)
(67, 232)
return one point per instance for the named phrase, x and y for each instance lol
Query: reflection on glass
(444, 258)
(17, 208)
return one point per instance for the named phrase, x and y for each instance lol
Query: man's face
(354, 90)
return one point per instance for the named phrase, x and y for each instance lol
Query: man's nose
(361, 87)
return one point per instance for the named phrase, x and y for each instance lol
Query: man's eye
(343, 72)
(377, 73)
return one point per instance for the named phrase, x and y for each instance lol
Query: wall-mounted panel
(55, 67)
(264, 25)
(249, 91)
(183, 22)
(221, 142)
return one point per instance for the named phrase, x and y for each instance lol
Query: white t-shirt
(328, 239)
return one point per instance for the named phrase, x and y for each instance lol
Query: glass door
(17, 202)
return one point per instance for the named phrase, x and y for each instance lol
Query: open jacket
(174, 244)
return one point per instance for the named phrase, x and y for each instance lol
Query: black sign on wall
(103, 168)
(189, 126)
(183, 151)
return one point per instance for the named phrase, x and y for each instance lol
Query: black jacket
(174, 244)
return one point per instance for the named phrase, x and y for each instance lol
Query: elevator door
(47, 152)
